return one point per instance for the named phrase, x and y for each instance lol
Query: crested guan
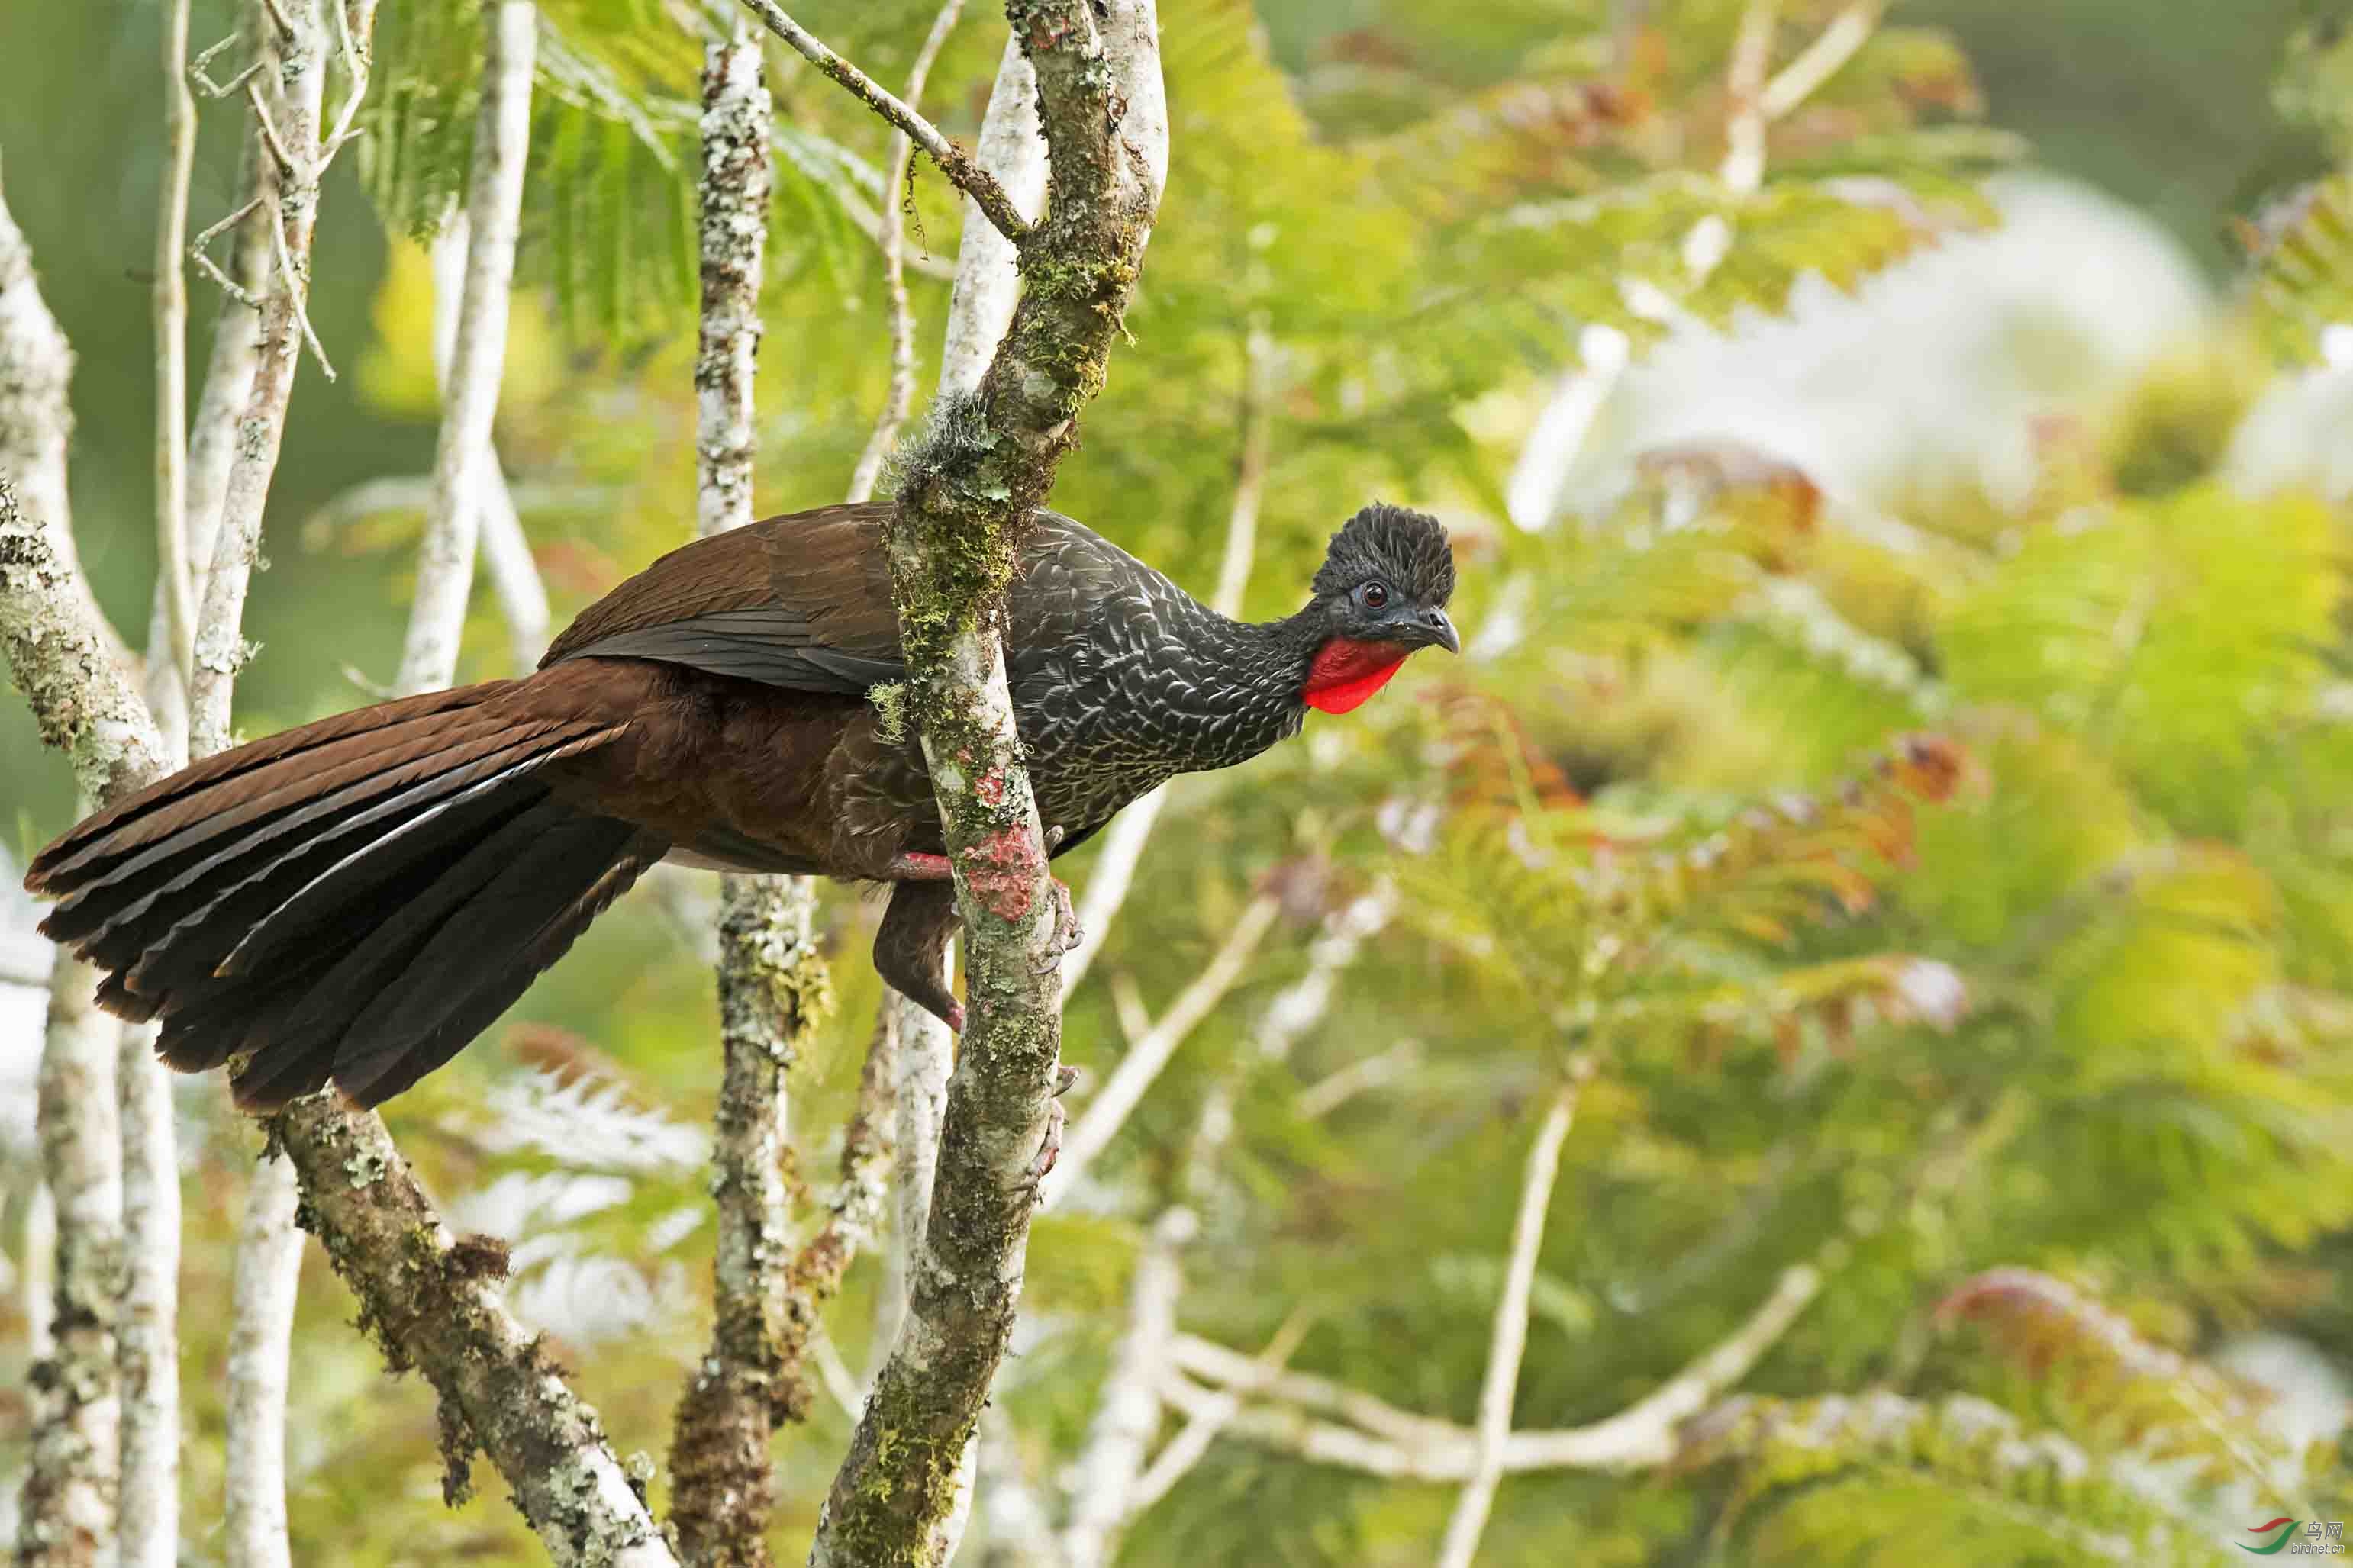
(354, 901)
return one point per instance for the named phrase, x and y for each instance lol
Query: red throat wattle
(1347, 671)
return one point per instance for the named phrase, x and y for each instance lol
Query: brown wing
(801, 601)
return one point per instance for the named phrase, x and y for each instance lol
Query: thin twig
(1328, 1093)
(1752, 58)
(245, 294)
(1510, 1336)
(200, 76)
(1120, 1095)
(901, 394)
(170, 309)
(1821, 59)
(957, 164)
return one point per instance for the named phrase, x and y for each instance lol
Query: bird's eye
(1374, 596)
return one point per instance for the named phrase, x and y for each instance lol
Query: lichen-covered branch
(969, 487)
(72, 1488)
(771, 980)
(1509, 1339)
(957, 164)
(988, 285)
(462, 460)
(37, 421)
(84, 703)
(63, 658)
(922, 1055)
(431, 1302)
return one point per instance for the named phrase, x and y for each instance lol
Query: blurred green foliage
(1933, 896)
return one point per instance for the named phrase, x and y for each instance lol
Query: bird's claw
(1067, 932)
(1050, 1149)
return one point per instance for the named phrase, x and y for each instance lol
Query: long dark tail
(351, 901)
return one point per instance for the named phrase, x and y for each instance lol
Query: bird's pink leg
(918, 867)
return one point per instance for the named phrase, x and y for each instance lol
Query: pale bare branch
(1752, 57)
(901, 394)
(1821, 59)
(1385, 1441)
(462, 460)
(1127, 1416)
(1509, 1339)
(506, 555)
(73, 1486)
(269, 1271)
(171, 312)
(1120, 1095)
(1177, 1458)
(1328, 1093)
(1013, 149)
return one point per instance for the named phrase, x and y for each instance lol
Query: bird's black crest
(1406, 547)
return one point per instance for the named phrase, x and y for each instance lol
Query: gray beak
(1437, 631)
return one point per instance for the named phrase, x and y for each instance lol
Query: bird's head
(1381, 594)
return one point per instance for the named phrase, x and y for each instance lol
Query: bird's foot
(918, 867)
(1068, 932)
(1051, 1150)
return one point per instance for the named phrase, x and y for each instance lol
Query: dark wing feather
(803, 602)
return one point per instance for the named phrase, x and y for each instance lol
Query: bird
(351, 901)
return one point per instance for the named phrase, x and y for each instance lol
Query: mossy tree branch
(965, 497)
